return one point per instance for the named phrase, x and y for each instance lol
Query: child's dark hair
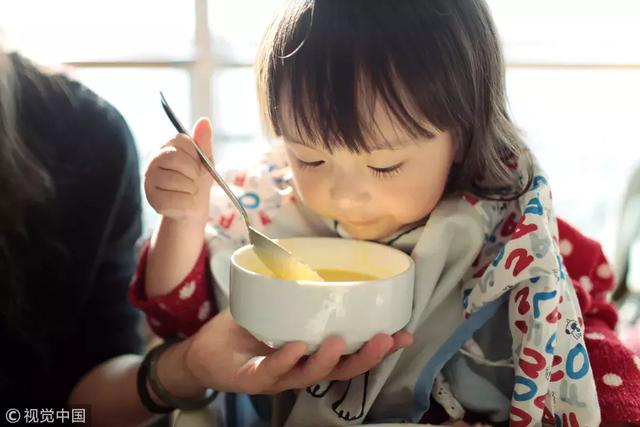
(438, 60)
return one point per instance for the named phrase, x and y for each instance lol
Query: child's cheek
(309, 189)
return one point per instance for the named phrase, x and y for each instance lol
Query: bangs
(325, 64)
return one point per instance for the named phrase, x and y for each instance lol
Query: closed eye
(387, 172)
(304, 164)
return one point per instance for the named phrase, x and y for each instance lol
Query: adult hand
(224, 356)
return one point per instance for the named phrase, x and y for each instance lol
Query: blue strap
(446, 351)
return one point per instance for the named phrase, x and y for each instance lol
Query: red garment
(182, 311)
(616, 370)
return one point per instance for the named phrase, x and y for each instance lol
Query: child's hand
(176, 183)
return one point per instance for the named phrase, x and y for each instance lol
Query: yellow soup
(344, 276)
(328, 274)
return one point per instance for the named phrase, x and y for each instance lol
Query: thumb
(203, 136)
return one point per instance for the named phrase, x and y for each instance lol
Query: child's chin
(365, 233)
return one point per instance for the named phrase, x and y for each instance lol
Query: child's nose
(348, 191)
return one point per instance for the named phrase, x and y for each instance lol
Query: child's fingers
(176, 159)
(183, 142)
(203, 135)
(169, 180)
(172, 203)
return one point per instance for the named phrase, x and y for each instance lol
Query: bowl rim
(247, 247)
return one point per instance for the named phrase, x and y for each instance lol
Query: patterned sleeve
(182, 311)
(616, 369)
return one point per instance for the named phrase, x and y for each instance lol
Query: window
(573, 79)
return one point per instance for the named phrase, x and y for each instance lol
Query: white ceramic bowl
(277, 311)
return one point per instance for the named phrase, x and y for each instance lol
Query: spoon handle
(205, 161)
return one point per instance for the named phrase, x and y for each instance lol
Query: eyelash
(306, 165)
(382, 173)
(385, 173)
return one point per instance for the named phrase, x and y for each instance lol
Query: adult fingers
(315, 368)
(370, 355)
(401, 339)
(261, 373)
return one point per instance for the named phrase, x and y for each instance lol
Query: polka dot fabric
(616, 369)
(182, 311)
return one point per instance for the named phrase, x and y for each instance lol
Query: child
(395, 129)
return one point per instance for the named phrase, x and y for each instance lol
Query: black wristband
(143, 391)
(164, 395)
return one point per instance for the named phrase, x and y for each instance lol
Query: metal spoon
(279, 260)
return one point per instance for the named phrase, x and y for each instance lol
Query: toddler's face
(373, 194)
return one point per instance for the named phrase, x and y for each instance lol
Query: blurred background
(573, 80)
